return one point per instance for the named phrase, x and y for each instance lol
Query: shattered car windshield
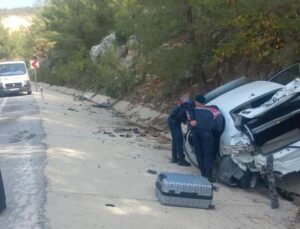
(12, 69)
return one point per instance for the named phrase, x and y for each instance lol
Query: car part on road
(2, 194)
(271, 182)
(184, 190)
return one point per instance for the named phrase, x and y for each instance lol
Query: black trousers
(177, 139)
(204, 149)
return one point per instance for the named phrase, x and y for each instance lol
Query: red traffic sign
(34, 64)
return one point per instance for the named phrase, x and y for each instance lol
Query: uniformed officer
(205, 124)
(179, 115)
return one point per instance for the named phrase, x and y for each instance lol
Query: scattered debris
(116, 114)
(110, 205)
(134, 130)
(72, 109)
(80, 98)
(125, 135)
(152, 171)
(102, 105)
(120, 130)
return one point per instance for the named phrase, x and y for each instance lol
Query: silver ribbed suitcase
(184, 190)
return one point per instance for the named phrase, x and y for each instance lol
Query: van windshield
(12, 69)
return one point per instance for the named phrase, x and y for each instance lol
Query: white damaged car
(262, 118)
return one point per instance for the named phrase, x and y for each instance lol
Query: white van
(14, 77)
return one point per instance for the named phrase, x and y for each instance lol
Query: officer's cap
(200, 99)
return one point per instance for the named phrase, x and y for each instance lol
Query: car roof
(238, 96)
(13, 62)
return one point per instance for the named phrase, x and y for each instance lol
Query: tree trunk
(197, 69)
(187, 10)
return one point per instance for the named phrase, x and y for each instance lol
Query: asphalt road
(67, 164)
(22, 161)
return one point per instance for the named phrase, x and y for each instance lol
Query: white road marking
(3, 104)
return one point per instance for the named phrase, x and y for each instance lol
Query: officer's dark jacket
(209, 118)
(181, 111)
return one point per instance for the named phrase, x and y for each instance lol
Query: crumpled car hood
(286, 159)
(281, 96)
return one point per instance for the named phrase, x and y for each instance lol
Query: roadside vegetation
(181, 44)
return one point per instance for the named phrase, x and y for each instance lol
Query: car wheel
(229, 173)
(189, 148)
(245, 181)
(29, 92)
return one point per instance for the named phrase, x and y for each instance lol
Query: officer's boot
(174, 159)
(210, 176)
(183, 162)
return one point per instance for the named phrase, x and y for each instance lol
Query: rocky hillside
(178, 46)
